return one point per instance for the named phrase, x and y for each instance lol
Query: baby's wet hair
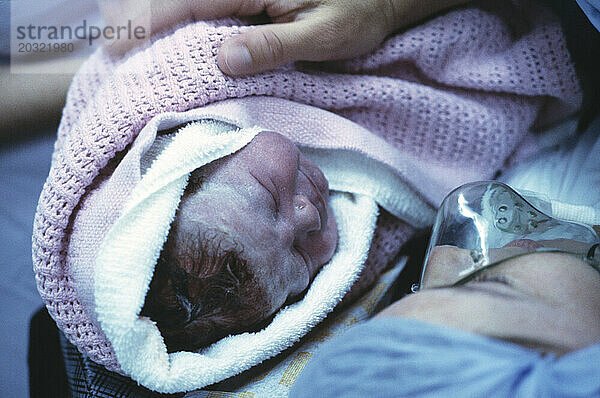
(202, 291)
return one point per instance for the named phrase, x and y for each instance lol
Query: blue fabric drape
(394, 357)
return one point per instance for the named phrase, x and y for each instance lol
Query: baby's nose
(306, 216)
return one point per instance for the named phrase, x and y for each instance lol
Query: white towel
(129, 252)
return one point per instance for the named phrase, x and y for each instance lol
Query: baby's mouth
(318, 178)
(317, 200)
(321, 206)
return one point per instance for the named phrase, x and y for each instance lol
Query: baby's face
(274, 202)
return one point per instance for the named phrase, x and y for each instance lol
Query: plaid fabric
(87, 379)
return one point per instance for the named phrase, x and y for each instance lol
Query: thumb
(266, 47)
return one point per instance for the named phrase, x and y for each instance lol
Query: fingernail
(237, 59)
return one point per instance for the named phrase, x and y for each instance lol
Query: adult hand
(305, 30)
(301, 30)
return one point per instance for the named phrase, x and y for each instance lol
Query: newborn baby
(252, 231)
(400, 114)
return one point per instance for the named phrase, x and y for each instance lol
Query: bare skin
(545, 301)
(274, 202)
(301, 30)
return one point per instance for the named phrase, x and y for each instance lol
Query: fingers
(156, 15)
(266, 47)
(168, 12)
(304, 30)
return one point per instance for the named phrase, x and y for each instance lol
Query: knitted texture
(460, 91)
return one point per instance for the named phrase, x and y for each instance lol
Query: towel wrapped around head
(441, 104)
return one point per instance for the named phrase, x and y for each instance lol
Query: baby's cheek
(278, 279)
(296, 277)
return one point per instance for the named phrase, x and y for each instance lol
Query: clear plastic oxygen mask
(482, 224)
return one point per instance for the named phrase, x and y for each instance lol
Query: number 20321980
(45, 47)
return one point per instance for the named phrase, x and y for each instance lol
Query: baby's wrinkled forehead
(227, 208)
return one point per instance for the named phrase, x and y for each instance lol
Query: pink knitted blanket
(445, 102)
